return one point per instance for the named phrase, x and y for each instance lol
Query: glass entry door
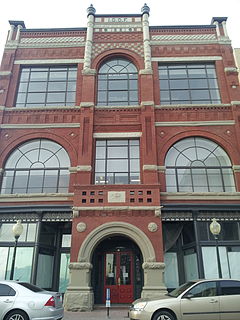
(118, 276)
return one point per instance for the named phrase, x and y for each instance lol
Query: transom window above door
(188, 84)
(117, 162)
(47, 86)
(117, 83)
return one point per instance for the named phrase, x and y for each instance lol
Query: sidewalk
(115, 313)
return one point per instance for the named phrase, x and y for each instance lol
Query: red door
(118, 276)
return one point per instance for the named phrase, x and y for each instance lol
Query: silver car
(195, 300)
(24, 301)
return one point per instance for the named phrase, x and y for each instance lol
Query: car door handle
(213, 301)
(8, 301)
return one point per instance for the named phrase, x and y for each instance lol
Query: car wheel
(17, 315)
(163, 315)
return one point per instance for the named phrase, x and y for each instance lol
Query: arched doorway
(117, 265)
(80, 296)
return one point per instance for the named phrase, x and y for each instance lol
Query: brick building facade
(119, 144)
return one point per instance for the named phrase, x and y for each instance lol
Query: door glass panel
(171, 270)
(110, 269)
(64, 272)
(125, 269)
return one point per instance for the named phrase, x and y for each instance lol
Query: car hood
(160, 298)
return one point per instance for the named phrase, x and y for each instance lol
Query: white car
(24, 301)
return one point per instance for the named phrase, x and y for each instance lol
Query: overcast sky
(72, 13)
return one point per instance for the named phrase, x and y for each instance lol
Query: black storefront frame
(197, 213)
(39, 215)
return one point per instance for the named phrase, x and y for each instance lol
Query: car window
(5, 290)
(230, 287)
(30, 286)
(204, 289)
(176, 292)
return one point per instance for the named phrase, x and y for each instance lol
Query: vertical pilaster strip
(89, 38)
(10, 35)
(146, 37)
(217, 28)
(19, 27)
(225, 28)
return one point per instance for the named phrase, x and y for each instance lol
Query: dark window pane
(6, 290)
(230, 287)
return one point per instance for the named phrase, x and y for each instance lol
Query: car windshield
(30, 286)
(176, 292)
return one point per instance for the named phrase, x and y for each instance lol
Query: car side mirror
(188, 295)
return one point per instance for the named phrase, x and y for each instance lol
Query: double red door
(118, 276)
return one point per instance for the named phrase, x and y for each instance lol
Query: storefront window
(23, 263)
(171, 270)
(29, 232)
(229, 258)
(190, 265)
(66, 240)
(45, 267)
(3, 264)
(64, 272)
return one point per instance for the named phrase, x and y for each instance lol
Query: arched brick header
(123, 53)
(229, 148)
(116, 228)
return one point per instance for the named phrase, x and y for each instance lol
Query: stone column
(89, 38)
(146, 37)
(79, 294)
(217, 28)
(10, 35)
(19, 27)
(225, 28)
(153, 280)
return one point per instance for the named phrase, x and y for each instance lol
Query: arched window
(117, 83)
(37, 166)
(198, 165)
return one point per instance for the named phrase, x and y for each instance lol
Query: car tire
(16, 315)
(164, 315)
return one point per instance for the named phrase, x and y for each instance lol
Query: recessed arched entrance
(81, 291)
(117, 266)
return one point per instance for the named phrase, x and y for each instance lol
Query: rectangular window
(188, 84)
(117, 162)
(48, 86)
